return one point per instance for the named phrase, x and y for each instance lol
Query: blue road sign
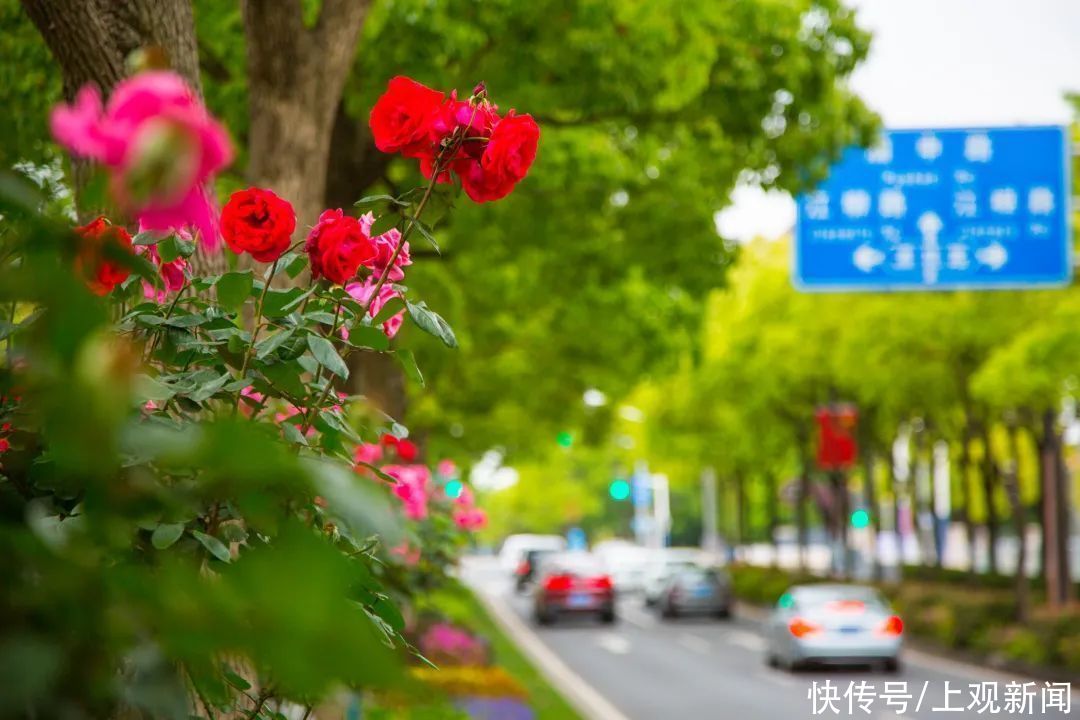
(975, 208)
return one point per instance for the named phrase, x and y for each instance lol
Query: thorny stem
(255, 331)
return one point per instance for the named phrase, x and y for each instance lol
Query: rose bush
(219, 527)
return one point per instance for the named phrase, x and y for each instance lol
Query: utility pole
(710, 535)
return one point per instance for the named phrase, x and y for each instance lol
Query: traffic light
(860, 519)
(565, 439)
(619, 489)
(453, 489)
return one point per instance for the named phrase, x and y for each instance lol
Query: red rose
(407, 450)
(506, 160)
(102, 275)
(337, 246)
(401, 118)
(259, 222)
(388, 440)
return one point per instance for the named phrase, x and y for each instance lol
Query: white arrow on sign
(993, 255)
(867, 257)
(930, 225)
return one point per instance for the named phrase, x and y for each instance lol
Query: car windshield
(573, 564)
(834, 597)
(696, 574)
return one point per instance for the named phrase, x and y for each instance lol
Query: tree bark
(800, 506)
(297, 75)
(1012, 489)
(989, 482)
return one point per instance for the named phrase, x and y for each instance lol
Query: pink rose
(160, 144)
(361, 291)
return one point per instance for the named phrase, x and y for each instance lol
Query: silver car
(833, 625)
(695, 589)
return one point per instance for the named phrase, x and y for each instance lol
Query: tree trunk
(870, 497)
(968, 487)
(989, 482)
(379, 378)
(1054, 512)
(1012, 489)
(800, 507)
(296, 76)
(772, 512)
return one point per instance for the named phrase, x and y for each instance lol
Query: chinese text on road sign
(940, 209)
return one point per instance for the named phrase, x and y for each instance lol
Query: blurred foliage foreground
(164, 554)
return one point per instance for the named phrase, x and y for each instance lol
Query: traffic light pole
(710, 536)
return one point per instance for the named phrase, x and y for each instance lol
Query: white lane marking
(891, 716)
(747, 640)
(614, 644)
(695, 643)
(778, 676)
(581, 695)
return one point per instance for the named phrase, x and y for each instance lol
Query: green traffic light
(564, 439)
(619, 489)
(860, 519)
(453, 489)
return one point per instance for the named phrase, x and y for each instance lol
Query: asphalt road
(688, 668)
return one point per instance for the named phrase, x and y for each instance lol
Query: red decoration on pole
(836, 445)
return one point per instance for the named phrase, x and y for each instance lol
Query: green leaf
(166, 534)
(323, 351)
(286, 377)
(294, 264)
(392, 307)
(320, 316)
(385, 223)
(423, 230)
(235, 680)
(431, 322)
(279, 303)
(293, 434)
(148, 237)
(186, 321)
(207, 390)
(233, 288)
(169, 249)
(295, 303)
(371, 201)
(214, 546)
(150, 388)
(365, 336)
(388, 612)
(268, 345)
(407, 360)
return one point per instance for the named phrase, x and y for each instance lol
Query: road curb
(589, 703)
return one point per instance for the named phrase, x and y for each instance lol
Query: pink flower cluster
(447, 644)
(466, 514)
(413, 488)
(161, 147)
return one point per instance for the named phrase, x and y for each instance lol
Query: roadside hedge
(952, 612)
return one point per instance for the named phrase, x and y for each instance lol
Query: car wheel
(669, 612)
(723, 613)
(891, 666)
(543, 617)
(650, 602)
(608, 616)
